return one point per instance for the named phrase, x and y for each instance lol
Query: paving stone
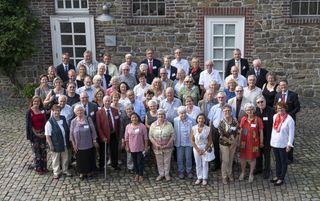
(20, 183)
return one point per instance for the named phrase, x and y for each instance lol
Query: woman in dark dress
(152, 113)
(195, 71)
(35, 122)
(270, 89)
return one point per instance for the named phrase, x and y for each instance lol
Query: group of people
(94, 110)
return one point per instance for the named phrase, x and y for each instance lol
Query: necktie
(150, 67)
(85, 110)
(66, 68)
(238, 106)
(258, 73)
(110, 121)
(283, 98)
(238, 66)
(107, 71)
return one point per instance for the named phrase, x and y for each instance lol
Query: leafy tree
(18, 28)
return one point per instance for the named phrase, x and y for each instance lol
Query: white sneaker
(204, 182)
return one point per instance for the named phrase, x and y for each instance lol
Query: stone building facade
(287, 44)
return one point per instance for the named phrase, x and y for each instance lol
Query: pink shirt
(135, 136)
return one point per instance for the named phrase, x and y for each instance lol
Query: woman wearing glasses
(251, 139)
(189, 89)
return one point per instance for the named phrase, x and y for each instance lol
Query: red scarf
(194, 70)
(278, 121)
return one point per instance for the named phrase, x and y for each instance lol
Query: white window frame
(239, 22)
(56, 39)
(71, 10)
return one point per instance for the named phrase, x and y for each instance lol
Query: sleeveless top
(201, 139)
(269, 95)
(151, 119)
(38, 120)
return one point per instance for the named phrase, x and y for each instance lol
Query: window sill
(149, 21)
(302, 20)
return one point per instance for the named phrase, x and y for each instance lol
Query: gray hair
(249, 105)
(62, 97)
(96, 78)
(182, 109)
(152, 103)
(161, 111)
(78, 107)
(128, 105)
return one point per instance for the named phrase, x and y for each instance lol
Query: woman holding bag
(201, 142)
(228, 131)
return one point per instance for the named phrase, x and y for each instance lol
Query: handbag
(209, 155)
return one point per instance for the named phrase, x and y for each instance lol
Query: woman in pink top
(136, 142)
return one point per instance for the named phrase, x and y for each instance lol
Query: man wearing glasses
(215, 116)
(127, 77)
(238, 103)
(266, 114)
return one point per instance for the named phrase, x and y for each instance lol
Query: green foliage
(28, 90)
(18, 28)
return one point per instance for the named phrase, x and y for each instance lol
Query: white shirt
(183, 63)
(139, 91)
(251, 95)
(48, 130)
(133, 68)
(241, 80)
(286, 135)
(206, 78)
(91, 68)
(194, 113)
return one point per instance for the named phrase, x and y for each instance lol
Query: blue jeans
(281, 157)
(184, 153)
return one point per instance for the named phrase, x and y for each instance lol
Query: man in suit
(240, 63)
(171, 70)
(238, 103)
(166, 82)
(64, 67)
(291, 99)
(259, 72)
(153, 64)
(90, 108)
(108, 127)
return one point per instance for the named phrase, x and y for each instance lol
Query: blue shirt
(90, 91)
(139, 108)
(182, 131)
(216, 115)
(171, 108)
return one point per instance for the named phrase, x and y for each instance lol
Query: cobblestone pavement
(20, 183)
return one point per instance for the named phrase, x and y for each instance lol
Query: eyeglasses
(126, 69)
(258, 102)
(188, 81)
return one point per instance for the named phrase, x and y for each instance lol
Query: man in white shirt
(66, 110)
(252, 91)
(87, 88)
(178, 62)
(241, 80)
(89, 63)
(208, 75)
(132, 65)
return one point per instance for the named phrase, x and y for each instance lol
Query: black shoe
(278, 183)
(257, 171)
(274, 180)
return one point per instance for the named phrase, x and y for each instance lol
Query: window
(222, 35)
(305, 7)
(141, 8)
(73, 35)
(72, 5)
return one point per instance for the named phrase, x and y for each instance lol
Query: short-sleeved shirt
(206, 78)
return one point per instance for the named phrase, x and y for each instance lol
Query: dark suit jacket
(267, 119)
(244, 67)
(292, 103)
(156, 65)
(261, 79)
(173, 73)
(103, 125)
(108, 78)
(62, 73)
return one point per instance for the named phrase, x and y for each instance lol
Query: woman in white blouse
(281, 140)
(201, 142)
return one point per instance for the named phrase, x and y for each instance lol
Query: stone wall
(288, 46)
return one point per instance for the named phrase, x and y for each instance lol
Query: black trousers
(264, 160)
(112, 147)
(138, 162)
(215, 138)
(281, 157)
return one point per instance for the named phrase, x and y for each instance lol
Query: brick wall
(288, 46)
